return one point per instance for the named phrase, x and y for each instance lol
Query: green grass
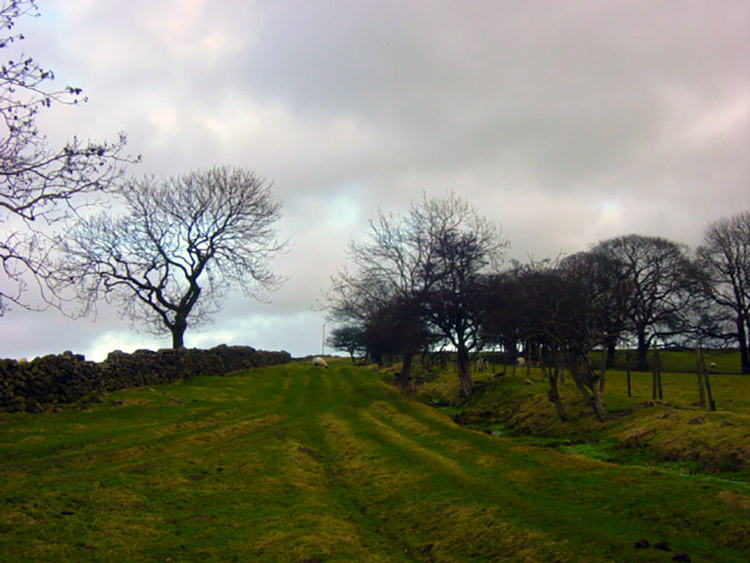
(727, 361)
(293, 463)
(674, 434)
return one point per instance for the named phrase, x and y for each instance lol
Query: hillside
(294, 463)
(674, 434)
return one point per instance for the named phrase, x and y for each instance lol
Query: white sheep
(520, 361)
(320, 362)
(713, 365)
(483, 364)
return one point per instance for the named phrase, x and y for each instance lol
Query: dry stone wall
(44, 382)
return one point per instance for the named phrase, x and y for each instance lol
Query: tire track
(398, 483)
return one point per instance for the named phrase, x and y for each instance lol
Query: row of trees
(427, 280)
(434, 278)
(179, 246)
(413, 284)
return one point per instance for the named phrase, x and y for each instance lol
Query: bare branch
(39, 183)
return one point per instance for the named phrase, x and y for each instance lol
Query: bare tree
(39, 184)
(384, 293)
(521, 305)
(724, 259)
(465, 248)
(506, 321)
(572, 305)
(663, 284)
(415, 272)
(182, 245)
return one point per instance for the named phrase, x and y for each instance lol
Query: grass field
(293, 463)
(726, 361)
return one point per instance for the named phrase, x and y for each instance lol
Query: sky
(564, 123)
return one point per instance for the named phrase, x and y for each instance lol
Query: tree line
(166, 252)
(436, 279)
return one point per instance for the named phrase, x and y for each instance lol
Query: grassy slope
(642, 431)
(296, 464)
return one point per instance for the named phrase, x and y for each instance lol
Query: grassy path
(297, 464)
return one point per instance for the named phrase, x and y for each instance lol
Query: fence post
(528, 359)
(627, 368)
(699, 371)
(654, 386)
(711, 404)
(658, 374)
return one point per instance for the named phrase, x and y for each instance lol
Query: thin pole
(627, 367)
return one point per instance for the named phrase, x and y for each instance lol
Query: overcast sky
(565, 123)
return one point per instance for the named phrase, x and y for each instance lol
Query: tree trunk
(178, 333)
(405, 376)
(553, 394)
(554, 397)
(584, 377)
(464, 372)
(601, 413)
(593, 399)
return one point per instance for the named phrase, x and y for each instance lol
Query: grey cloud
(564, 122)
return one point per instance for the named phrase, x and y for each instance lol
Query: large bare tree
(662, 279)
(39, 184)
(421, 272)
(182, 244)
(724, 259)
(465, 247)
(391, 276)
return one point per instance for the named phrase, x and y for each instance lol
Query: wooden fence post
(627, 368)
(528, 360)
(656, 388)
(658, 375)
(711, 404)
(699, 372)
(539, 357)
